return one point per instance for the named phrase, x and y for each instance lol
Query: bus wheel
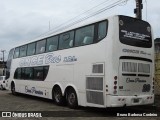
(72, 99)
(13, 89)
(57, 96)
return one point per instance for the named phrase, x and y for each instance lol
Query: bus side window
(41, 46)
(84, 36)
(23, 73)
(66, 40)
(29, 73)
(102, 30)
(31, 49)
(52, 44)
(16, 53)
(17, 74)
(45, 69)
(38, 73)
(23, 51)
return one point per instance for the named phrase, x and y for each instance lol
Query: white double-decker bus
(105, 63)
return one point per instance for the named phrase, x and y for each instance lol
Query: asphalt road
(25, 103)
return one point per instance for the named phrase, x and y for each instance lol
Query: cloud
(23, 20)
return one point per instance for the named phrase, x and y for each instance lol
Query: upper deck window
(102, 30)
(23, 51)
(66, 40)
(16, 53)
(52, 44)
(84, 36)
(31, 49)
(41, 47)
(134, 32)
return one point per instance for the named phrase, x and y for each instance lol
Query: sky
(24, 20)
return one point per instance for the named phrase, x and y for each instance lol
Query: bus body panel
(75, 67)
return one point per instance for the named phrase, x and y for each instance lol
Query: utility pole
(3, 63)
(138, 9)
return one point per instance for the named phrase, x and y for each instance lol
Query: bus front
(133, 81)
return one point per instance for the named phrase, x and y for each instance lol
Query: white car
(2, 82)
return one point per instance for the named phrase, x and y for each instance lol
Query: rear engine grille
(97, 68)
(132, 69)
(95, 97)
(94, 83)
(129, 67)
(94, 90)
(144, 68)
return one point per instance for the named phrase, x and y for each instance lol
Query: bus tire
(57, 96)
(72, 101)
(13, 89)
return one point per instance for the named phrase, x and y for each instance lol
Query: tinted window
(52, 44)
(41, 46)
(16, 53)
(29, 73)
(134, 32)
(32, 73)
(66, 40)
(84, 36)
(23, 51)
(23, 73)
(102, 30)
(31, 49)
(17, 74)
(45, 71)
(38, 73)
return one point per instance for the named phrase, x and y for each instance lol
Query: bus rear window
(134, 32)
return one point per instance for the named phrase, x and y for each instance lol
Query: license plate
(136, 100)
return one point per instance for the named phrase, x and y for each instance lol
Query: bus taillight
(115, 77)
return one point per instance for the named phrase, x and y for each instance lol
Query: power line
(78, 16)
(89, 16)
(93, 14)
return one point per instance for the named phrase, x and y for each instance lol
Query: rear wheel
(57, 96)
(72, 98)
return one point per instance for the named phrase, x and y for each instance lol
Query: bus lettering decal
(40, 59)
(70, 59)
(135, 35)
(34, 60)
(33, 91)
(50, 58)
(137, 80)
(25, 62)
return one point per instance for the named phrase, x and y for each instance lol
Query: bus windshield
(134, 32)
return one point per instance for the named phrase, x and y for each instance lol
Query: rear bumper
(120, 101)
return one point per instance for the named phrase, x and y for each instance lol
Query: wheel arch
(57, 85)
(69, 86)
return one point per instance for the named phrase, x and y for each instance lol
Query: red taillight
(115, 77)
(147, 97)
(115, 82)
(115, 87)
